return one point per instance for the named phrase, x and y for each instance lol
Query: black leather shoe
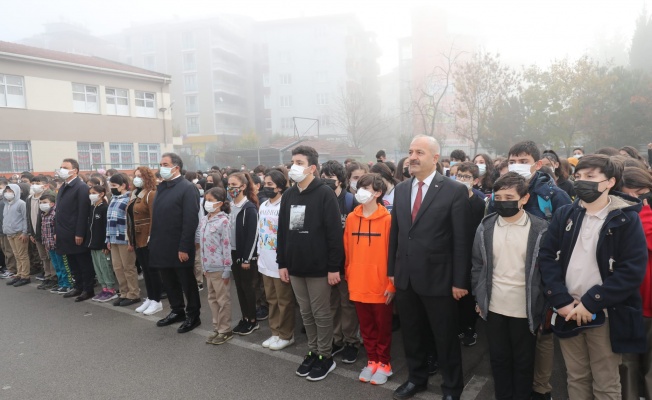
(450, 397)
(128, 302)
(84, 296)
(189, 324)
(408, 390)
(171, 319)
(72, 293)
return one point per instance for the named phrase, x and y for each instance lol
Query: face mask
(45, 207)
(195, 181)
(138, 182)
(587, 191)
(521, 169)
(211, 206)
(453, 177)
(64, 173)
(482, 168)
(9, 196)
(506, 209)
(354, 185)
(209, 185)
(296, 173)
(37, 189)
(467, 184)
(234, 192)
(363, 196)
(331, 183)
(166, 172)
(406, 172)
(578, 156)
(452, 163)
(94, 198)
(115, 192)
(269, 192)
(201, 192)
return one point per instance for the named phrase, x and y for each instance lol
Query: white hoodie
(14, 218)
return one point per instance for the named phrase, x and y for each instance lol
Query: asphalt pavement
(54, 348)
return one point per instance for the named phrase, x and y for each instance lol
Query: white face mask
(354, 185)
(37, 189)
(64, 173)
(195, 181)
(94, 198)
(138, 182)
(9, 196)
(166, 172)
(45, 207)
(482, 168)
(467, 184)
(363, 195)
(201, 192)
(211, 206)
(297, 174)
(521, 169)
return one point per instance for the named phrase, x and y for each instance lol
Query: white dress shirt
(424, 189)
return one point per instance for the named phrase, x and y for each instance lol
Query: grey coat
(482, 270)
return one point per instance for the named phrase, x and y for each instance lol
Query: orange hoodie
(366, 243)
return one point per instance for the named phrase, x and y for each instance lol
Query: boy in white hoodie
(14, 225)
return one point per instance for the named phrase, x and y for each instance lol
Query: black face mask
(587, 191)
(406, 172)
(646, 196)
(506, 209)
(269, 192)
(115, 192)
(209, 186)
(331, 183)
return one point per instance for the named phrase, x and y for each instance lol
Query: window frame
(115, 98)
(4, 92)
(148, 154)
(122, 148)
(13, 155)
(145, 111)
(86, 102)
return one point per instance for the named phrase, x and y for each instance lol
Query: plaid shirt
(47, 228)
(116, 220)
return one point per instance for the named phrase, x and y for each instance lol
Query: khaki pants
(346, 327)
(124, 266)
(635, 366)
(543, 363)
(48, 270)
(10, 260)
(280, 298)
(20, 250)
(198, 270)
(313, 296)
(592, 367)
(219, 300)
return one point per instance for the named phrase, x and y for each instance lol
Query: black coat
(246, 233)
(433, 254)
(96, 237)
(71, 218)
(175, 218)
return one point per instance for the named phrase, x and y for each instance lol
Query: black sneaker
(349, 354)
(40, 276)
(321, 369)
(262, 313)
(240, 327)
(44, 285)
(11, 281)
(307, 364)
(469, 338)
(248, 328)
(336, 349)
(22, 282)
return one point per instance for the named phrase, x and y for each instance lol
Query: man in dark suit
(429, 259)
(175, 217)
(71, 223)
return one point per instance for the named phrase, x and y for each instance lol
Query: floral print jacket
(214, 243)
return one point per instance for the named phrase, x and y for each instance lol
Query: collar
(602, 214)
(520, 222)
(427, 181)
(242, 203)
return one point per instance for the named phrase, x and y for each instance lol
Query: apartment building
(103, 113)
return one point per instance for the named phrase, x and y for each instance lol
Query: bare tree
(358, 115)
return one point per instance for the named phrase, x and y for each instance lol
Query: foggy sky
(524, 32)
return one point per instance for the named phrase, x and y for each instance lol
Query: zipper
(91, 227)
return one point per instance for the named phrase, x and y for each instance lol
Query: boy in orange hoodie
(366, 243)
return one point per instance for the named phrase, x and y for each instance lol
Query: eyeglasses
(465, 177)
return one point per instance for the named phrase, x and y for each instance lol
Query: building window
(324, 120)
(148, 43)
(268, 123)
(192, 124)
(267, 102)
(149, 154)
(287, 123)
(321, 77)
(12, 93)
(266, 80)
(191, 105)
(122, 155)
(286, 79)
(145, 104)
(149, 62)
(189, 62)
(15, 156)
(322, 99)
(286, 101)
(117, 101)
(187, 41)
(90, 155)
(190, 83)
(84, 98)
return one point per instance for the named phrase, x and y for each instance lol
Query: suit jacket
(71, 218)
(432, 254)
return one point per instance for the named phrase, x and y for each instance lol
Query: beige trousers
(219, 300)
(124, 266)
(20, 250)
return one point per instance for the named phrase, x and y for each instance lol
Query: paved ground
(54, 348)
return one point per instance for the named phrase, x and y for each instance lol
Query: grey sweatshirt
(14, 214)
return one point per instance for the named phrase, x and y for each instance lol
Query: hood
(16, 190)
(619, 201)
(366, 226)
(379, 213)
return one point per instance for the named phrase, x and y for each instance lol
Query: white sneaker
(144, 306)
(154, 307)
(269, 341)
(280, 344)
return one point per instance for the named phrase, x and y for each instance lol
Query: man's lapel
(434, 188)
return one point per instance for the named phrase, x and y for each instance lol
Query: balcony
(228, 87)
(227, 67)
(232, 109)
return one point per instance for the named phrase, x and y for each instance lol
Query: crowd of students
(541, 246)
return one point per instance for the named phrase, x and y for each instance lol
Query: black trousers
(511, 354)
(178, 281)
(81, 266)
(467, 314)
(245, 284)
(440, 313)
(151, 276)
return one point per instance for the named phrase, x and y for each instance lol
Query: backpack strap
(348, 202)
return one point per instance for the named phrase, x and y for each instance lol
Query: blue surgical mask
(166, 172)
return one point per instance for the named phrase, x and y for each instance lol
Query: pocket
(626, 323)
